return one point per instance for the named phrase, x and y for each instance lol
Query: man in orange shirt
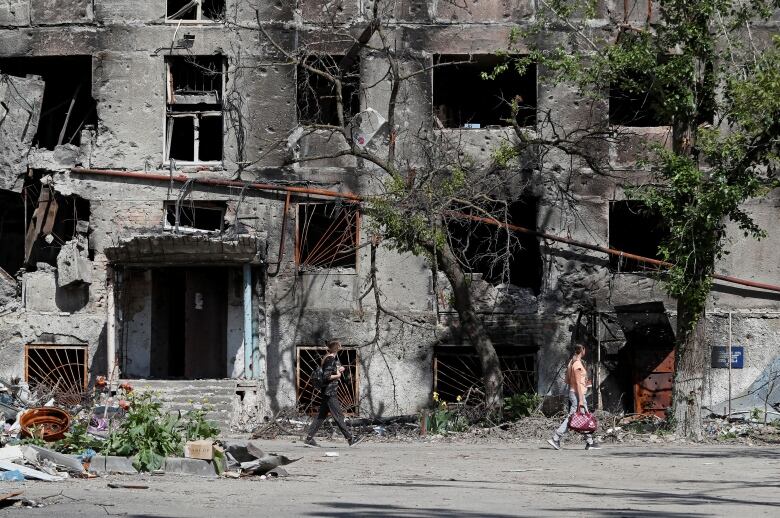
(577, 381)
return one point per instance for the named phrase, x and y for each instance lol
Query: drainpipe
(111, 324)
(248, 345)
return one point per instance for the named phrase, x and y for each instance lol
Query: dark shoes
(356, 440)
(592, 446)
(309, 441)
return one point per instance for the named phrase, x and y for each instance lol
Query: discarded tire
(48, 423)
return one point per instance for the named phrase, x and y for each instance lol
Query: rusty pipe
(610, 251)
(181, 178)
(357, 198)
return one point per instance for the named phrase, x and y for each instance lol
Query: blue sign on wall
(720, 357)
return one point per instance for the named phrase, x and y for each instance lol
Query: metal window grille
(57, 371)
(327, 235)
(308, 394)
(458, 374)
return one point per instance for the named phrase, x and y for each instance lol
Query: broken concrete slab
(36, 453)
(20, 109)
(202, 468)
(29, 472)
(112, 464)
(73, 264)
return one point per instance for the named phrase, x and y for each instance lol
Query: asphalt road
(421, 480)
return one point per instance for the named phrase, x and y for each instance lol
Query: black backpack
(318, 377)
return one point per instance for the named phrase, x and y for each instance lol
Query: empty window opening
(196, 215)
(13, 227)
(457, 372)
(327, 235)
(463, 99)
(307, 392)
(53, 220)
(635, 229)
(195, 128)
(635, 102)
(196, 10)
(317, 97)
(68, 106)
(57, 371)
(501, 256)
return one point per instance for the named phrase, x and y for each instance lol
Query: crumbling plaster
(129, 87)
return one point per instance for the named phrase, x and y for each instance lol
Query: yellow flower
(435, 396)
(458, 399)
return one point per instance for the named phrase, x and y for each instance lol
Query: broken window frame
(323, 251)
(307, 395)
(220, 206)
(350, 84)
(196, 107)
(200, 18)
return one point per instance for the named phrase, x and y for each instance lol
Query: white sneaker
(555, 443)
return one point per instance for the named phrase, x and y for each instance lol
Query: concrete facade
(103, 294)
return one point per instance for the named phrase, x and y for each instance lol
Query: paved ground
(420, 480)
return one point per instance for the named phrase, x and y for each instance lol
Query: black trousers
(330, 403)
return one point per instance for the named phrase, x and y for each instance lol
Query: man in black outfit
(332, 371)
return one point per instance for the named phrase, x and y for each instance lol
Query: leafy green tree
(707, 71)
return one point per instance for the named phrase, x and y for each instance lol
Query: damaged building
(153, 227)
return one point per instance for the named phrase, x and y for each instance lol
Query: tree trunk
(691, 361)
(472, 327)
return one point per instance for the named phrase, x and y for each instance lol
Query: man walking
(332, 370)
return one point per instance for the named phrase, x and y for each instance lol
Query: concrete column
(111, 324)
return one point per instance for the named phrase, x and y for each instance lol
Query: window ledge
(219, 165)
(337, 270)
(193, 22)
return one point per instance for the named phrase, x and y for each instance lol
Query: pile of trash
(21, 462)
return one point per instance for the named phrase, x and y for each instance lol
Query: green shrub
(147, 433)
(521, 405)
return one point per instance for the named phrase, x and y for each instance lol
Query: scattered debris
(12, 494)
(47, 423)
(29, 472)
(331, 454)
(247, 458)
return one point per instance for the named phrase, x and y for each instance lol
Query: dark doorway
(189, 323)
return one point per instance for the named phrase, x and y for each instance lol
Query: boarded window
(308, 394)
(633, 228)
(57, 371)
(195, 128)
(327, 235)
(317, 97)
(462, 98)
(195, 215)
(68, 106)
(196, 10)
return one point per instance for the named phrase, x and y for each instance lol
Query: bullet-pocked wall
(135, 108)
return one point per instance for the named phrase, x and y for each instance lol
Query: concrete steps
(217, 397)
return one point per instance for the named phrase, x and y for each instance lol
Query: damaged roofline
(357, 198)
